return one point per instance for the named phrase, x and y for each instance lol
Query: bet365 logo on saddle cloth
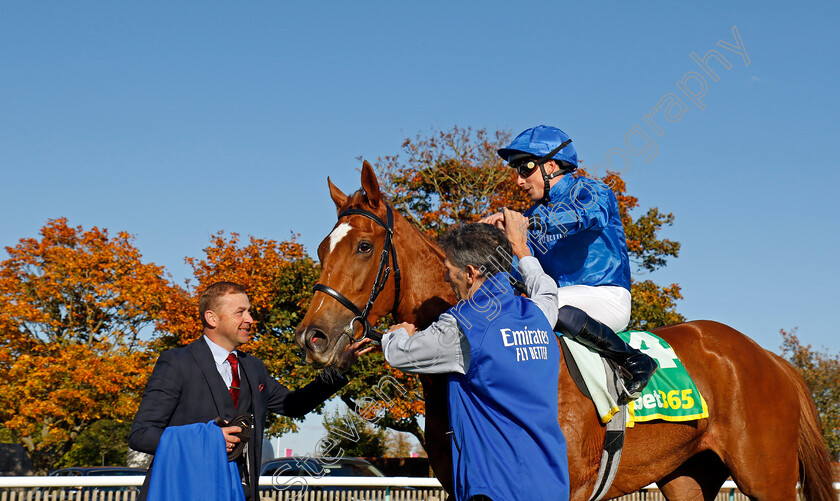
(670, 395)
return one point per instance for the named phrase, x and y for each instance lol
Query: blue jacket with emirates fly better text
(503, 363)
(506, 442)
(581, 240)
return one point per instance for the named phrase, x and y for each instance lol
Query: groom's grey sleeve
(542, 289)
(439, 348)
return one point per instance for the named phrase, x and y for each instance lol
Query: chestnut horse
(762, 427)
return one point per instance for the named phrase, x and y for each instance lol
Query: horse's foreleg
(698, 479)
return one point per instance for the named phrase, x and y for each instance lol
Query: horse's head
(351, 261)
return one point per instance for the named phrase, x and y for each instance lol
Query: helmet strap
(545, 158)
(548, 177)
(547, 180)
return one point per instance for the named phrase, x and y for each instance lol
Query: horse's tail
(816, 475)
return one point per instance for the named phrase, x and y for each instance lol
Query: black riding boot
(636, 367)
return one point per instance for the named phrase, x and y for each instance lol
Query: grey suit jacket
(185, 388)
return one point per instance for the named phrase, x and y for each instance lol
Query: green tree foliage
(822, 373)
(104, 443)
(350, 435)
(385, 396)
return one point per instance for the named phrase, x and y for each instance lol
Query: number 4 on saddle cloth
(670, 395)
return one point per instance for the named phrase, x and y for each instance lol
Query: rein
(378, 284)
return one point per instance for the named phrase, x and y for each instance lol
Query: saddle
(244, 421)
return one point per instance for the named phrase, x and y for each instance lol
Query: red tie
(234, 386)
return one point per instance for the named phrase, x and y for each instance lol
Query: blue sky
(173, 120)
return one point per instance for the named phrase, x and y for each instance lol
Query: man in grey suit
(198, 382)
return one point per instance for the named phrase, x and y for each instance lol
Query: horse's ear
(337, 195)
(370, 185)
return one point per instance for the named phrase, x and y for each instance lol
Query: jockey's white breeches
(607, 304)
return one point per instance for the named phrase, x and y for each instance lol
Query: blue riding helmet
(540, 141)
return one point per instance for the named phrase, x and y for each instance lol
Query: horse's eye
(365, 248)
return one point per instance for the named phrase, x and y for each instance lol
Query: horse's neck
(425, 294)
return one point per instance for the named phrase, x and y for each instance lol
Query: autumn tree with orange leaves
(653, 305)
(447, 177)
(72, 306)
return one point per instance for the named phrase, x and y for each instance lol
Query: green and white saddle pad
(670, 395)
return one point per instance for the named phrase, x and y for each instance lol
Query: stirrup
(631, 386)
(624, 379)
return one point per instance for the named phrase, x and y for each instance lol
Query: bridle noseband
(378, 284)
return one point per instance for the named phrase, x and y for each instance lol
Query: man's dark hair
(210, 298)
(481, 245)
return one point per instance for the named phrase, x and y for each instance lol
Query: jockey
(577, 235)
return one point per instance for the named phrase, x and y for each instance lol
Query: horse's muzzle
(316, 340)
(316, 345)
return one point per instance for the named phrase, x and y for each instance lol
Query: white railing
(132, 480)
(423, 482)
(362, 482)
(70, 481)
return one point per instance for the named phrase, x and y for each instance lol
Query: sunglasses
(525, 167)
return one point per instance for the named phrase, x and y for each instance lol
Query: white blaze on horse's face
(338, 233)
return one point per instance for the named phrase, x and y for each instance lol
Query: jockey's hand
(410, 328)
(516, 228)
(497, 220)
(352, 353)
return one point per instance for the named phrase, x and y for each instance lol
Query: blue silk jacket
(581, 240)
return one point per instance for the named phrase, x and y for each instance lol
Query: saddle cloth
(670, 395)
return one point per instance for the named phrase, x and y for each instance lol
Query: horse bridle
(378, 284)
